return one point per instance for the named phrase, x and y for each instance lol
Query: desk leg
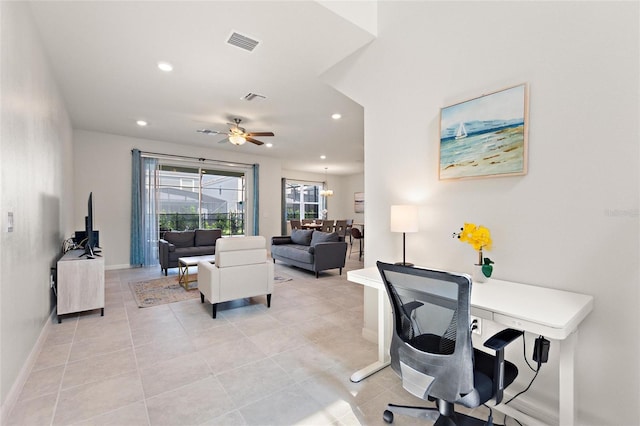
(566, 377)
(384, 314)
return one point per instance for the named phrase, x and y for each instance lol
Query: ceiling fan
(237, 135)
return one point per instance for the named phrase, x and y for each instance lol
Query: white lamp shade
(404, 218)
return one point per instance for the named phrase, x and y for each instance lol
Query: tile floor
(175, 365)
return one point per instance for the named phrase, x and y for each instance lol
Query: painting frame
(485, 136)
(358, 202)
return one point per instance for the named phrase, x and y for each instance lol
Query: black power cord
(541, 353)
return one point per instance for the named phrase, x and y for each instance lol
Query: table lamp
(404, 219)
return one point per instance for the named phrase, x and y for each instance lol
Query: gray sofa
(176, 244)
(311, 250)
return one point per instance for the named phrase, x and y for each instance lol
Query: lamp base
(404, 263)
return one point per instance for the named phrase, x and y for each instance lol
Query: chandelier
(326, 192)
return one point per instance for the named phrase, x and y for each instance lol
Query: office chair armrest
(502, 338)
(498, 342)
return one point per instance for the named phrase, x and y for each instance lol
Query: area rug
(165, 290)
(161, 291)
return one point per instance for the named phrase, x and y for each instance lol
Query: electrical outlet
(476, 325)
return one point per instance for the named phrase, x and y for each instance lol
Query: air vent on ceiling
(242, 42)
(252, 96)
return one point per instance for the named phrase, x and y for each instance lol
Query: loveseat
(311, 250)
(176, 244)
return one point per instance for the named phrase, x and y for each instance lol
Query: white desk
(555, 314)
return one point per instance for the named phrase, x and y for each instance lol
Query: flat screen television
(91, 245)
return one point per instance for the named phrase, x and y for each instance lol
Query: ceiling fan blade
(252, 140)
(225, 140)
(208, 132)
(260, 134)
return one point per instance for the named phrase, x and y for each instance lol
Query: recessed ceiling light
(336, 116)
(141, 123)
(323, 157)
(165, 66)
(268, 145)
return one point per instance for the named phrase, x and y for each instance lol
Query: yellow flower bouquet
(480, 239)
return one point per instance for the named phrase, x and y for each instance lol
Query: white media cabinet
(80, 284)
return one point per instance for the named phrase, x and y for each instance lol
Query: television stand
(80, 284)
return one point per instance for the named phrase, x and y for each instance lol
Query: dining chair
(340, 228)
(347, 231)
(327, 226)
(359, 236)
(295, 224)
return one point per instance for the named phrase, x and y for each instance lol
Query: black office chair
(431, 346)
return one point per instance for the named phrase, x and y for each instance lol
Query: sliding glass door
(206, 198)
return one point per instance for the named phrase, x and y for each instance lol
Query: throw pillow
(324, 237)
(301, 236)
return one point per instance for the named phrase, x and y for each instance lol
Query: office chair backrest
(431, 345)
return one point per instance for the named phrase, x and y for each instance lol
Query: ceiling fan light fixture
(237, 139)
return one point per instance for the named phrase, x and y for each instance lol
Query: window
(190, 198)
(303, 200)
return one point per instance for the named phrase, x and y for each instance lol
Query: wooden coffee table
(183, 268)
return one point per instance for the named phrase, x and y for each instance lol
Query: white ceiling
(104, 57)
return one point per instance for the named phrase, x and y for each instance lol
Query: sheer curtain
(150, 219)
(144, 222)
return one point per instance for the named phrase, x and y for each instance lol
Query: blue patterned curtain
(256, 198)
(144, 223)
(136, 251)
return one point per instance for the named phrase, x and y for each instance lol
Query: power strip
(541, 350)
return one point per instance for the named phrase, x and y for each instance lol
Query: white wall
(103, 166)
(36, 185)
(572, 221)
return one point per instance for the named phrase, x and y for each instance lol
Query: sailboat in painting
(462, 132)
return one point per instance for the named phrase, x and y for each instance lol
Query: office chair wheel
(387, 416)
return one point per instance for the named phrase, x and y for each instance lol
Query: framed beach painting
(485, 136)
(358, 202)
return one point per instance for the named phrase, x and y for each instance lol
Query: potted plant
(480, 239)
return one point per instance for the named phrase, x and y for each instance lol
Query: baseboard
(370, 335)
(23, 375)
(123, 266)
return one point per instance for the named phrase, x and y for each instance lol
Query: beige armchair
(241, 269)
